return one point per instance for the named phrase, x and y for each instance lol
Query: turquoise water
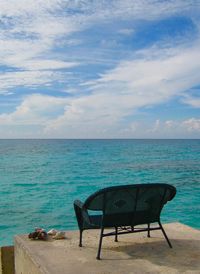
(39, 179)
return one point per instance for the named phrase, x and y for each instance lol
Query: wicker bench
(123, 208)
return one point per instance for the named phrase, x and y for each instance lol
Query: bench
(123, 208)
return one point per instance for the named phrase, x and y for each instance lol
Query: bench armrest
(78, 204)
(81, 214)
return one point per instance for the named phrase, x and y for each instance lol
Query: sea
(40, 179)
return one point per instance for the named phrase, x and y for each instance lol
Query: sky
(99, 69)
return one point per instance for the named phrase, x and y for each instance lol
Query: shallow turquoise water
(39, 179)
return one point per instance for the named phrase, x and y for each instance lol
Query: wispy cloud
(11, 80)
(191, 100)
(155, 77)
(29, 32)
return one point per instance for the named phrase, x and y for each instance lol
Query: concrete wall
(0, 263)
(24, 262)
(7, 260)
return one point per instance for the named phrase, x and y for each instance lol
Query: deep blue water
(39, 179)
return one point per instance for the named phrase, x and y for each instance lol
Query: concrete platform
(134, 253)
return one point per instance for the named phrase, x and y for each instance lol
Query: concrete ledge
(134, 253)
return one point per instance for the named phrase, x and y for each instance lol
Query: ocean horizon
(40, 178)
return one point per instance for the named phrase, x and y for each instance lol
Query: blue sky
(99, 69)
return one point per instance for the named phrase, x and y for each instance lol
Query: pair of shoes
(59, 235)
(56, 235)
(52, 232)
(38, 234)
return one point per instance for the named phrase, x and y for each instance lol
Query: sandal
(38, 234)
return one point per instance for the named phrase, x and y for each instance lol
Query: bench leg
(116, 238)
(100, 243)
(148, 233)
(80, 239)
(165, 235)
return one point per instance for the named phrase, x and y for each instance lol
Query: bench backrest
(131, 204)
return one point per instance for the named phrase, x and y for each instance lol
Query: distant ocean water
(39, 179)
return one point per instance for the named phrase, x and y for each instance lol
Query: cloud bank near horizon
(99, 69)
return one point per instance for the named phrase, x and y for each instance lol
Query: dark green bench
(123, 208)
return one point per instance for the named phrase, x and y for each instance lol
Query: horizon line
(99, 139)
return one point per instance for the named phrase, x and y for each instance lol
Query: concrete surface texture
(134, 253)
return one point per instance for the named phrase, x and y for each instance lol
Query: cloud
(185, 128)
(137, 9)
(106, 104)
(18, 8)
(35, 109)
(58, 117)
(156, 77)
(192, 124)
(10, 80)
(170, 124)
(28, 35)
(192, 101)
(126, 31)
(32, 30)
(132, 85)
(180, 128)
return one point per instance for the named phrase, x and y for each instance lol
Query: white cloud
(132, 85)
(188, 128)
(29, 32)
(192, 101)
(152, 79)
(71, 118)
(33, 29)
(35, 64)
(35, 109)
(120, 92)
(156, 126)
(192, 124)
(137, 9)
(126, 31)
(23, 7)
(10, 80)
(170, 124)
(177, 128)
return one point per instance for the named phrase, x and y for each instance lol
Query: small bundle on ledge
(38, 234)
(41, 234)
